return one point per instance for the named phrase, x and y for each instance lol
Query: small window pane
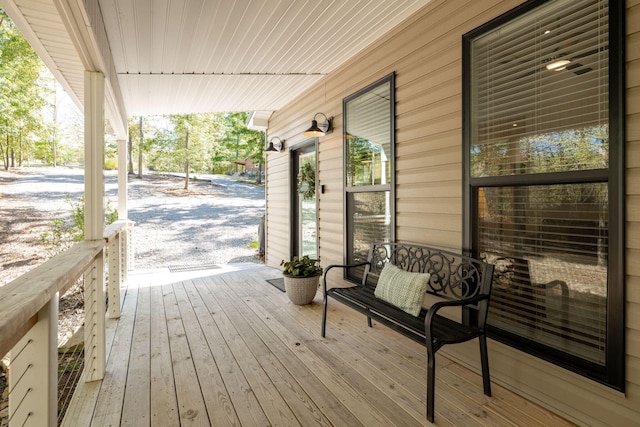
(371, 220)
(539, 93)
(368, 137)
(549, 244)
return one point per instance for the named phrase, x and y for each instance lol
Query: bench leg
(324, 315)
(484, 360)
(431, 384)
(369, 322)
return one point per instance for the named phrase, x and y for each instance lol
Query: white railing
(29, 319)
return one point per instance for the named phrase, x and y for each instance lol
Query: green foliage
(63, 233)
(301, 267)
(307, 181)
(215, 142)
(21, 94)
(111, 164)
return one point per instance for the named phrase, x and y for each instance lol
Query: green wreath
(307, 181)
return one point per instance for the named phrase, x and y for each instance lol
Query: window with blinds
(537, 152)
(369, 134)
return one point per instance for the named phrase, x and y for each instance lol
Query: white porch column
(94, 332)
(122, 180)
(126, 247)
(93, 155)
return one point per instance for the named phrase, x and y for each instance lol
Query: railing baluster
(94, 324)
(115, 276)
(33, 371)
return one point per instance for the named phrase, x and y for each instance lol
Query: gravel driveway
(214, 222)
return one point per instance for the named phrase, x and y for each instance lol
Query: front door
(304, 200)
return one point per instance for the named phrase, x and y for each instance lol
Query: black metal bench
(456, 281)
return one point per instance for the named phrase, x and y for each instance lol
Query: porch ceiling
(191, 56)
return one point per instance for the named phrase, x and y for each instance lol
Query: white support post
(115, 275)
(93, 155)
(94, 332)
(122, 180)
(33, 373)
(95, 357)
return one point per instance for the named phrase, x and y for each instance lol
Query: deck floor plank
(108, 409)
(347, 369)
(270, 400)
(191, 405)
(331, 370)
(280, 366)
(221, 377)
(164, 403)
(136, 407)
(225, 348)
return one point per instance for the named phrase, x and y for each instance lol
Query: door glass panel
(306, 185)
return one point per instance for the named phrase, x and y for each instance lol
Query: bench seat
(444, 330)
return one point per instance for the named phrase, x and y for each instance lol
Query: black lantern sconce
(319, 129)
(276, 145)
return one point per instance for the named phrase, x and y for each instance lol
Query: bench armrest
(345, 266)
(441, 304)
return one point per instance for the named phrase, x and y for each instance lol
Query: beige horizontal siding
(425, 52)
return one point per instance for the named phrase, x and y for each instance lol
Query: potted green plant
(301, 278)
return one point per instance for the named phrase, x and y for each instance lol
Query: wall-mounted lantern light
(276, 145)
(319, 129)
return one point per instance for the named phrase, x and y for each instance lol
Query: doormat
(278, 283)
(182, 268)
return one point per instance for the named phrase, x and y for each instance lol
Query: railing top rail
(22, 299)
(111, 230)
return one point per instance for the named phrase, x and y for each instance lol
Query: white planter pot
(301, 290)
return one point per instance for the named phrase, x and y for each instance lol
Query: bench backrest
(452, 276)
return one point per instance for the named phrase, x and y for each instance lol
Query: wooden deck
(224, 347)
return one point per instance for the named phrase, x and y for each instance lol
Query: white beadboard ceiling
(192, 56)
(180, 56)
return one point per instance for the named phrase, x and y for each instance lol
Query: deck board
(164, 403)
(223, 347)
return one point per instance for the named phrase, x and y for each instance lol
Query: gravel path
(214, 222)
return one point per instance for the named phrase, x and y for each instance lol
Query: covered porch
(224, 347)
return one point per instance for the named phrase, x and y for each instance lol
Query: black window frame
(355, 275)
(613, 372)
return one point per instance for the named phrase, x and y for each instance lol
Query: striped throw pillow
(401, 288)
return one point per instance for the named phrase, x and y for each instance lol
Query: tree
(21, 97)
(140, 145)
(244, 142)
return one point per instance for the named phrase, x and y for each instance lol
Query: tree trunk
(54, 145)
(130, 155)
(20, 150)
(2, 148)
(259, 178)
(186, 158)
(140, 150)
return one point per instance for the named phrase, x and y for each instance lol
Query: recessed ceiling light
(558, 65)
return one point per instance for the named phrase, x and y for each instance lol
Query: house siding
(425, 52)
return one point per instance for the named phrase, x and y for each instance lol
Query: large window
(369, 140)
(544, 181)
